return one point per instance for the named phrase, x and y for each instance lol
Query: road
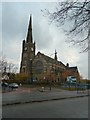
(67, 108)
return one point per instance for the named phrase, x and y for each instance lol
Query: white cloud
(29, 1)
(72, 56)
(47, 37)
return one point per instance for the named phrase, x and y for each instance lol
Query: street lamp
(55, 71)
(61, 78)
(50, 81)
(51, 72)
(31, 74)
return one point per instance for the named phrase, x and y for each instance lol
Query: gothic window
(39, 67)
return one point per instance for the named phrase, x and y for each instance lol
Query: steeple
(55, 55)
(28, 50)
(30, 24)
(29, 34)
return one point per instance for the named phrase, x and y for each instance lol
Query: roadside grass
(33, 85)
(73, 89)
(70, 89)
(40, 85)
(47, 86)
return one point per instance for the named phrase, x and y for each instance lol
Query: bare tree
(11, 68)
(3, 64)
(6, 66)
(76, 15)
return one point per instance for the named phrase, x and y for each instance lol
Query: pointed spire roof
(30, 23)
(55, 55)
(29, 34)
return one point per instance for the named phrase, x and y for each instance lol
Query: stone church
(41, 67)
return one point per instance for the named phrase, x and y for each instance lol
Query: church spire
(29, 34)
(55, 55)
(30, 24)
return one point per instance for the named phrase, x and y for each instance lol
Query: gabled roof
(49, 59)
(73, 68)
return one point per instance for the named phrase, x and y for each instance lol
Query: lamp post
(50, 80)
(31, 74)
(55, 71)
(60, 72)
(50, 85)
(51, 73)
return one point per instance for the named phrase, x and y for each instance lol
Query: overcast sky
(48, 37)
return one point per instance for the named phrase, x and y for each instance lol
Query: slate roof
(50, 60)
(74, 69)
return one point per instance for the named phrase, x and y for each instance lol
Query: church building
(41, 67)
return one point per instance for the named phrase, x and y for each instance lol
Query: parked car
(4, 84)
(13, 85)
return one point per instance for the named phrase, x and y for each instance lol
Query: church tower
(28, 51)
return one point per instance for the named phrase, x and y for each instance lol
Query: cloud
(13, 21)
(30, 1)
(43, 35)
(55, 39)
(12, 50)
(48, 37)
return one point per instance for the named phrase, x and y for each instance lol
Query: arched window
(38, 67)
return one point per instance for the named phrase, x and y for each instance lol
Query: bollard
(42, 89)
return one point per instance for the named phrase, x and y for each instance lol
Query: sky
(14, 22)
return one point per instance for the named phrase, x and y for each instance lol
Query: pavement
(39, 95)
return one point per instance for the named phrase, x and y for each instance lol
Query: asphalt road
(67, 108)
